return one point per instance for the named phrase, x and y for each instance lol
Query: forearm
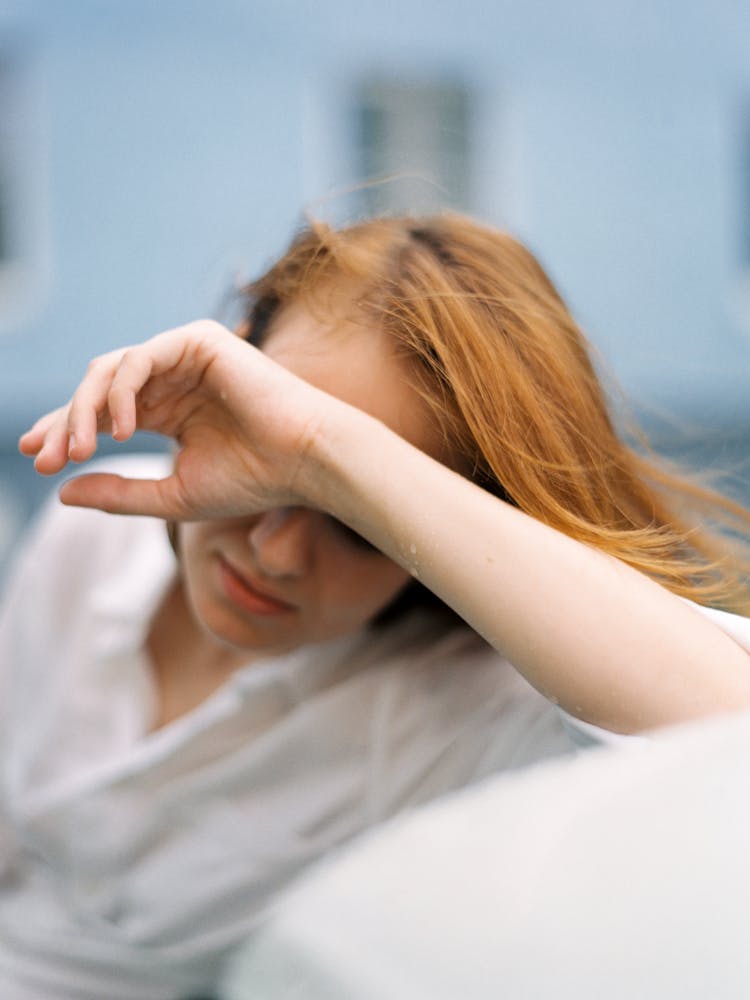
(606, 643)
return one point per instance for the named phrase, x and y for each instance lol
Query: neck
(189, 664)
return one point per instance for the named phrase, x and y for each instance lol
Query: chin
(244, 638)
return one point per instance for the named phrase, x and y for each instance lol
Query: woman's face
(278, 580)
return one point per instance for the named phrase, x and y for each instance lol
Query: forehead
(358, 363)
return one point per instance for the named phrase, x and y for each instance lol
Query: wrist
(325, 477)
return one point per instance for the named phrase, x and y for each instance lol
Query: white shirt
(132, 861)
(618, 875)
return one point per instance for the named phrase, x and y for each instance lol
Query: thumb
(118, 495)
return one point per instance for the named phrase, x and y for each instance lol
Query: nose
(281, 541)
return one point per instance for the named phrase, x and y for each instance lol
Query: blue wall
(161, 150)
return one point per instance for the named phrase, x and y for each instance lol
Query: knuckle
(209, 327)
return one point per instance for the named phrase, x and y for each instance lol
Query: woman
(418, 437)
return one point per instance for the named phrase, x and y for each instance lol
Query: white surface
(622, 875)
(134, 861)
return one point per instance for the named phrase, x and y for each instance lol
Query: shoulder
(454, 670)
(428, 662)
(445, 708)
(454, 685)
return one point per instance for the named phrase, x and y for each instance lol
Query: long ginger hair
(500, 361)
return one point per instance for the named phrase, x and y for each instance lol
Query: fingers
(104, 400)
(117, 495)
(70, 431)
(121, 387)
(31, 442)
(89, 408)
(145, 374)
(132, 374)
(48, 440)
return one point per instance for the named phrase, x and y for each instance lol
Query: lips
(245, 593)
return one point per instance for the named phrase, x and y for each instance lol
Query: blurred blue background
(153, 154)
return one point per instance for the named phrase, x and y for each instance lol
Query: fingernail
(114, 428)
(71, 443)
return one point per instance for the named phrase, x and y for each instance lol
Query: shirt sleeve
(585, 734)
(736, 627)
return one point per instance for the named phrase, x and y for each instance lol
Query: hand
(244, 426)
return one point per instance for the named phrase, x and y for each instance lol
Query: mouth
(247, 595)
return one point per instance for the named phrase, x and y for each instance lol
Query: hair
(499, 360)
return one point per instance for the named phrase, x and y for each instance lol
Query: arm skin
(604, 642)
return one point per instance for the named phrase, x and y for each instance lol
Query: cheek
(360, 586)
(188, 543)
(194, 547)
(188, 553)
